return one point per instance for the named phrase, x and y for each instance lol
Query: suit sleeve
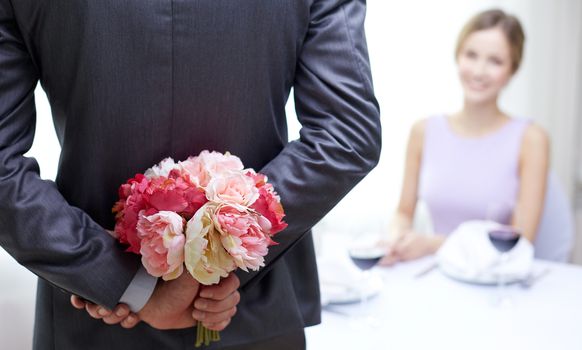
(54, 240)
(340, 136)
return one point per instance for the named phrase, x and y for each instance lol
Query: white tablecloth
(436, 312)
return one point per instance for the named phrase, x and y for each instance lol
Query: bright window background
(411, 45)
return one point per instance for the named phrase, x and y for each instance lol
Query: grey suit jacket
(133, 81)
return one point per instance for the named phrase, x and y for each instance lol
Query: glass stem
(501, 279)
(363, 290)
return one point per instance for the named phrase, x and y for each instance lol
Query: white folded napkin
(468, 254)
(341, 282)
(339, 279)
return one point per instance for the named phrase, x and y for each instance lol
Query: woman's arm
(402, 220)
(404, 244)
(533, 172)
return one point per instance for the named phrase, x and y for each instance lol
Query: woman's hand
(411, 246)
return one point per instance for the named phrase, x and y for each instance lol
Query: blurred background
(411, 45)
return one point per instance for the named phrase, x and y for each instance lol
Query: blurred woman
(479, 163)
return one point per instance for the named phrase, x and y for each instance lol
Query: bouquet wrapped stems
(205, 336)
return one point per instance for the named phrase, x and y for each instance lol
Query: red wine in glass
(366, 257)
(504, 238)
(365, 252)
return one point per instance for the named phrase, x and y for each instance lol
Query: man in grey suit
(132, 82)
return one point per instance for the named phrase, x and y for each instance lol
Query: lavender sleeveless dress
(465, 178)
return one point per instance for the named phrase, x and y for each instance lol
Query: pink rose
(232, 187)
(205, 257)
(162, 244)
(244, 234)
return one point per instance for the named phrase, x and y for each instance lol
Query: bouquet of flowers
(207, 213)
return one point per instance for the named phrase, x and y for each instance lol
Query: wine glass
(365, 252)
(504, 239)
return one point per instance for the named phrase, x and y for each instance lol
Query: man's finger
(119, 314)
(121, 310)
(77, 302)
(130, 321)
(217, 326)
(97, 311)
(213, 317)
(210, 305)
(221, 290)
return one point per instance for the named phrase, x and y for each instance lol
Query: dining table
(416, 306)
(413, 306)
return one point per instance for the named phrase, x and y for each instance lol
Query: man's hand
(216, 304)
(171, 304)
(120, 315)
(169, 307)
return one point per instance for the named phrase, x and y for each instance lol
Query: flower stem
(205, 336)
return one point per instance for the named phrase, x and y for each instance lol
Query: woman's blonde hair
(496, 18)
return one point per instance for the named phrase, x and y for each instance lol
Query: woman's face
(484, 64)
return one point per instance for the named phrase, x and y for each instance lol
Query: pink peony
(269, 205)
(174, 193)
(194, 167)
(244, 234)
(162, 244)
(258, 178)
(210, 164)
(162, 169)
(217, 163)
(127, 209)
(232, 187)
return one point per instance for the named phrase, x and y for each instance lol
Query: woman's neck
(478, 119)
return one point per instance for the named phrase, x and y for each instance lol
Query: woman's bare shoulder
(418, 129)
(536, 136)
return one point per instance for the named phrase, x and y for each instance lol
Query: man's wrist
(139, 290)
